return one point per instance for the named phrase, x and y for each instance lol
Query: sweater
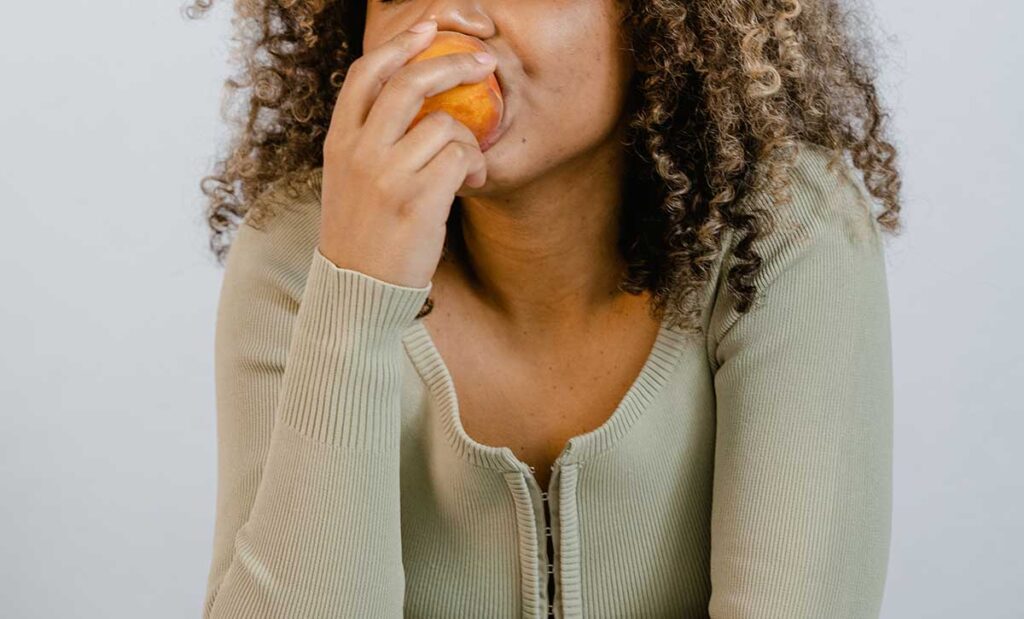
(746, 473)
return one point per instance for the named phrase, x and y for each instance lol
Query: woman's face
(564, 69)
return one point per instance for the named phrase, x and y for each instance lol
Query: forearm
(323, 536)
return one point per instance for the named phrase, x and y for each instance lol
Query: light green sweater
(744, 474)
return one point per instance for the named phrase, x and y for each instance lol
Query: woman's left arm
(801, 505)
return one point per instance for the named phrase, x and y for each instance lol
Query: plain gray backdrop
(110, 113)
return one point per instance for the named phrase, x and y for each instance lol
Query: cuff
(342, 384)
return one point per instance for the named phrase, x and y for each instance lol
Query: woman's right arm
(308, 518)
(308, 398)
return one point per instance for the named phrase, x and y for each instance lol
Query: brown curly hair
(722, 94)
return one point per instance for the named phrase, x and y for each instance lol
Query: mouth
(498, 131)
(497, 76)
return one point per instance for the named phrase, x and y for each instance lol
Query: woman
(630, 360)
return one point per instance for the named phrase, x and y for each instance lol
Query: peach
(479, 106)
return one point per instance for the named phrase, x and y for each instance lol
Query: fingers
(368, 74)
(402, 97)
(453, 166)
(424, 141)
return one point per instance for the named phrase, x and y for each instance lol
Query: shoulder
(825, 237)
(274, 249)
(268, 262)
(827, 196)
(828, 206)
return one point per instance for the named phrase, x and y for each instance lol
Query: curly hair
(722, 94)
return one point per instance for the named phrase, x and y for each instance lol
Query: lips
(497, 76)
(496, 134)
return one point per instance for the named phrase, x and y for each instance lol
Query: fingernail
(424, 26)
(483, 57)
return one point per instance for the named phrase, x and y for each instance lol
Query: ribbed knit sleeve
(801, 497)
(312, 444)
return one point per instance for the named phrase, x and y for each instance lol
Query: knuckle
(468, 155)
(381, 184)
(361, 70)
(362, 164)
(469, 136)
(406, 209)
(443, 120)
(402, 79)
(332, 147)
(409, 42)
(457, 151)
(356, 68)
(478, 161)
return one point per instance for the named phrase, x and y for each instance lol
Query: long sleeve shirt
(746, 473)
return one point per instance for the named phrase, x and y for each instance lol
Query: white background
(109, 115)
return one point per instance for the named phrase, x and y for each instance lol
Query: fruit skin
(479, 106)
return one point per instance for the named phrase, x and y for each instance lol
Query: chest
(534, 404)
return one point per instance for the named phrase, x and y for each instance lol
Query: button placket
(549, 579)
(547, 551)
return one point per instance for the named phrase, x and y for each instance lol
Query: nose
(465, 16)
(469, 17)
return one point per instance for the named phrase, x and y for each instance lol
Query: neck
(547, 256)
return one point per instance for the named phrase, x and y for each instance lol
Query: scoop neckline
(659, 365)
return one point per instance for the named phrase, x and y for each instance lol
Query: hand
(387, 190)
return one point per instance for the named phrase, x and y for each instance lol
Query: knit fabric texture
(745, 474)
